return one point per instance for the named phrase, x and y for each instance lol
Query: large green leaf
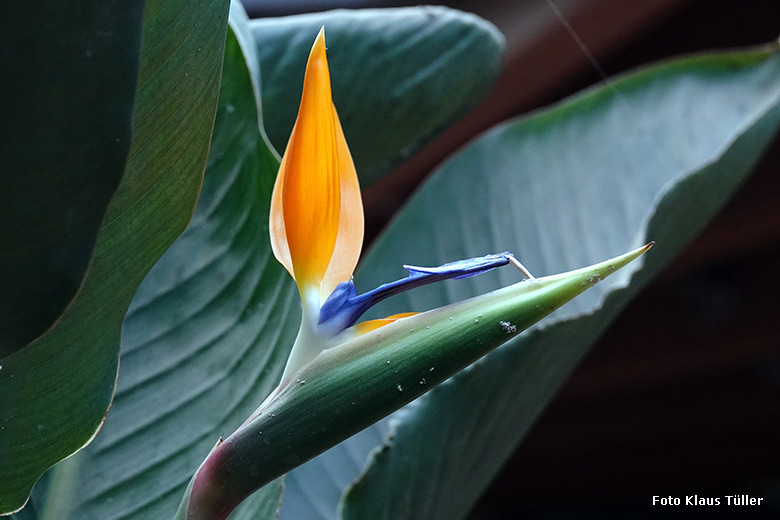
(69, 72)
(207, 334)
(55, 392)
(653, 155)
(217, 307)
(399, 75)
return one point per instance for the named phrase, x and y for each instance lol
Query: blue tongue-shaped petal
(344, 306)
(461, 268)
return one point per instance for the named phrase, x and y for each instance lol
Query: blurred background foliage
(691, 404)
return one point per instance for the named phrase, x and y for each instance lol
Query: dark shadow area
(691, 405)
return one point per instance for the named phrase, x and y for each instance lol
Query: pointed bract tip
(629, 257)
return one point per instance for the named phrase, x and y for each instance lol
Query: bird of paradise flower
(316, 226)
(316, 229)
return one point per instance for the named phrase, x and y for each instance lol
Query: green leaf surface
(55, 392)
(399, 75)
(651, 156)
(216, 302)
(676, 141)
(69, 73)
(207, 333)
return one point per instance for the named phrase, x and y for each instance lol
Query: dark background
(682, 395)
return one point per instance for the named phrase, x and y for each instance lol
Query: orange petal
(316, 220)
(276, 222)
(349, 241)
(307, 188)
(368, 326)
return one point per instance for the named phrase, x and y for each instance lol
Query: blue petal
(344, 306)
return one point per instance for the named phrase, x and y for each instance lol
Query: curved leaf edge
(639, 274)
(11, 504)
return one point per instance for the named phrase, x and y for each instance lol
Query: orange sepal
(368, 326)
(316, 220)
